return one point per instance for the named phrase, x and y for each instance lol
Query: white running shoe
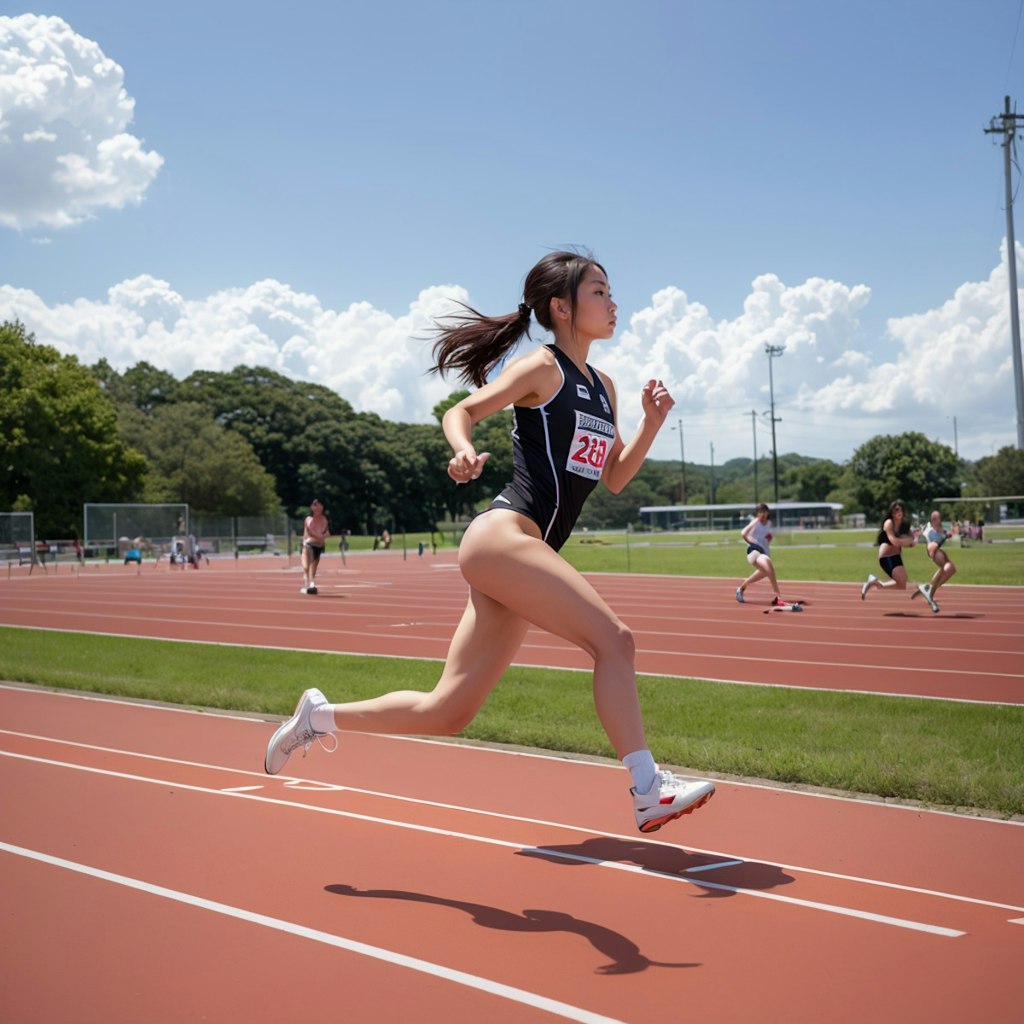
(669, 797)
(295, 733)
(311, 589)
(922, 588)
(931, 601)
(869, 583)
(739, 595)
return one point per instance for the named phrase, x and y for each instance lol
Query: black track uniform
(558, 452)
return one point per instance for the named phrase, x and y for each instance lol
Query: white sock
(322, 718)
(642, 768)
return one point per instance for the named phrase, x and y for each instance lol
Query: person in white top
(758, 536)
(935, 536)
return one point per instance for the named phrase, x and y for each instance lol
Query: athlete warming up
(893, 537)
(758, 537)
(565, 441)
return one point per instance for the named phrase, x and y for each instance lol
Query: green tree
(606, 511)
(905, 466)
(59, 442)
(1000, 475)
(142, 386)
(282, 419)
(815, 481)
(193, 459)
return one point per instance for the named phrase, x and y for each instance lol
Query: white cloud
(64, 149)
(953, 361)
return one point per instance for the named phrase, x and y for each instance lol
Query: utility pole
(753, 427)
(773, 352)
(682, 462)
(1008, 129)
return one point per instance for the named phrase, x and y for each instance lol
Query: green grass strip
(723, 555)
(942, 753)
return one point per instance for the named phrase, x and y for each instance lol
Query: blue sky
(306, 186)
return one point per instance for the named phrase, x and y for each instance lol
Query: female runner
(565, 440)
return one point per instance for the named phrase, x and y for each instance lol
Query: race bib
(591, 443)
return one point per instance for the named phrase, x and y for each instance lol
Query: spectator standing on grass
(935, 536)
(315, 531)
(564, 442)
(893, 537)
(758, 537)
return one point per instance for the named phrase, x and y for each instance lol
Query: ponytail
(472, 344)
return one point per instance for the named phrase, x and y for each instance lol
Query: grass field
(959, 756)
(844, 555)
(998, 564)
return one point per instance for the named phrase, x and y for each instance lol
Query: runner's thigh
(522, 573)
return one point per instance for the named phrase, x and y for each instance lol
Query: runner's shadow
(945, 615)
(624, 954)
(718, 876)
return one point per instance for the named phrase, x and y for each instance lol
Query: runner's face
(595, 310)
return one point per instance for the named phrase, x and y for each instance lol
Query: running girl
(893, 537)
(935, 536)
(758, 536)
(565, 441)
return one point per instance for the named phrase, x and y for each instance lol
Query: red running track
(685, 626)
(149, 871)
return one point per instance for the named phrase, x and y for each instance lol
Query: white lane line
(313, 785)
(714, 867)
(518, 847)
(494, 988)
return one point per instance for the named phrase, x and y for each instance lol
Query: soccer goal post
(105, 524)
(18, 530)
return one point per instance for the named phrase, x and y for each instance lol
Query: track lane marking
(494, 988)
(636, 869)
(292, 782)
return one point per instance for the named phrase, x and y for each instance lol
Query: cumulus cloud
(832, 395)
(64, 148)
(944, 365)
(373, 359)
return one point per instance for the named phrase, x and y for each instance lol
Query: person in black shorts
(565, 441)
(895, 535)
(315, 531)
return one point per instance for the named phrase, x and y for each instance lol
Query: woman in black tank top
(895, 535)
(565, 441)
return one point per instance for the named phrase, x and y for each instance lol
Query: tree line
(251, 440)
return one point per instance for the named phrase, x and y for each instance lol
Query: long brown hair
(472, 344)
(904, 527)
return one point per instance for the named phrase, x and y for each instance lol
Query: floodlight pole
(774, 351)
(682, 462)
(1008, 129)
(753, 427)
